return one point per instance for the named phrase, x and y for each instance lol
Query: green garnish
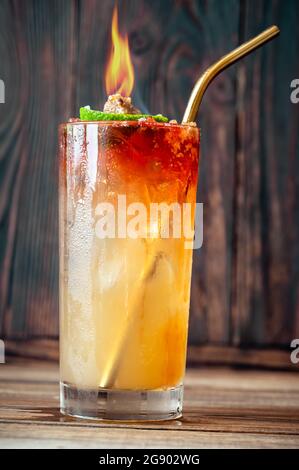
(87, 114)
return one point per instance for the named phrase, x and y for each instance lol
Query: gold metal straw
(206, 78)
(113, 363)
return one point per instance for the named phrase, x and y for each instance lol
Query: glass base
(127, 405)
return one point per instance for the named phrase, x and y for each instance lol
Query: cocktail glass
(124, 299)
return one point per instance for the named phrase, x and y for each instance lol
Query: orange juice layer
(102, 290)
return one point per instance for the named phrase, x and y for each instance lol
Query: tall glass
(124, 278)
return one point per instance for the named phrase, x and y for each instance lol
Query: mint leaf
(87, 114)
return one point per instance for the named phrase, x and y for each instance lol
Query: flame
(119, 76)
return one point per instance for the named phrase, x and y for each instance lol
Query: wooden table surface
(223, 409)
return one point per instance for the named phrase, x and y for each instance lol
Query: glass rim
(136, 123)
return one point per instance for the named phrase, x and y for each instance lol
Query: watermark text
(2, 352)
(2, 92)
(295, 353)
(294, 97)
(158, 220)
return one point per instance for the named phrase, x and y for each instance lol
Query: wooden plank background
(52, 56)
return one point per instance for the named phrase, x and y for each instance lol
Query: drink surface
(114, 285)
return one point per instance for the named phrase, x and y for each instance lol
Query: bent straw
(112, 365)
(207, 77)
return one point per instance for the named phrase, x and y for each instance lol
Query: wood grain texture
(245, 278)
(211, 284)
(265, 291)
(223, 409)
(40, 60)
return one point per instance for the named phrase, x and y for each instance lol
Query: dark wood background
(245, 289)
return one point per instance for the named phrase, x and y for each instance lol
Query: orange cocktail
(124, 301)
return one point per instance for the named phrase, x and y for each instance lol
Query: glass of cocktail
(125, 262)
(125, 266)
